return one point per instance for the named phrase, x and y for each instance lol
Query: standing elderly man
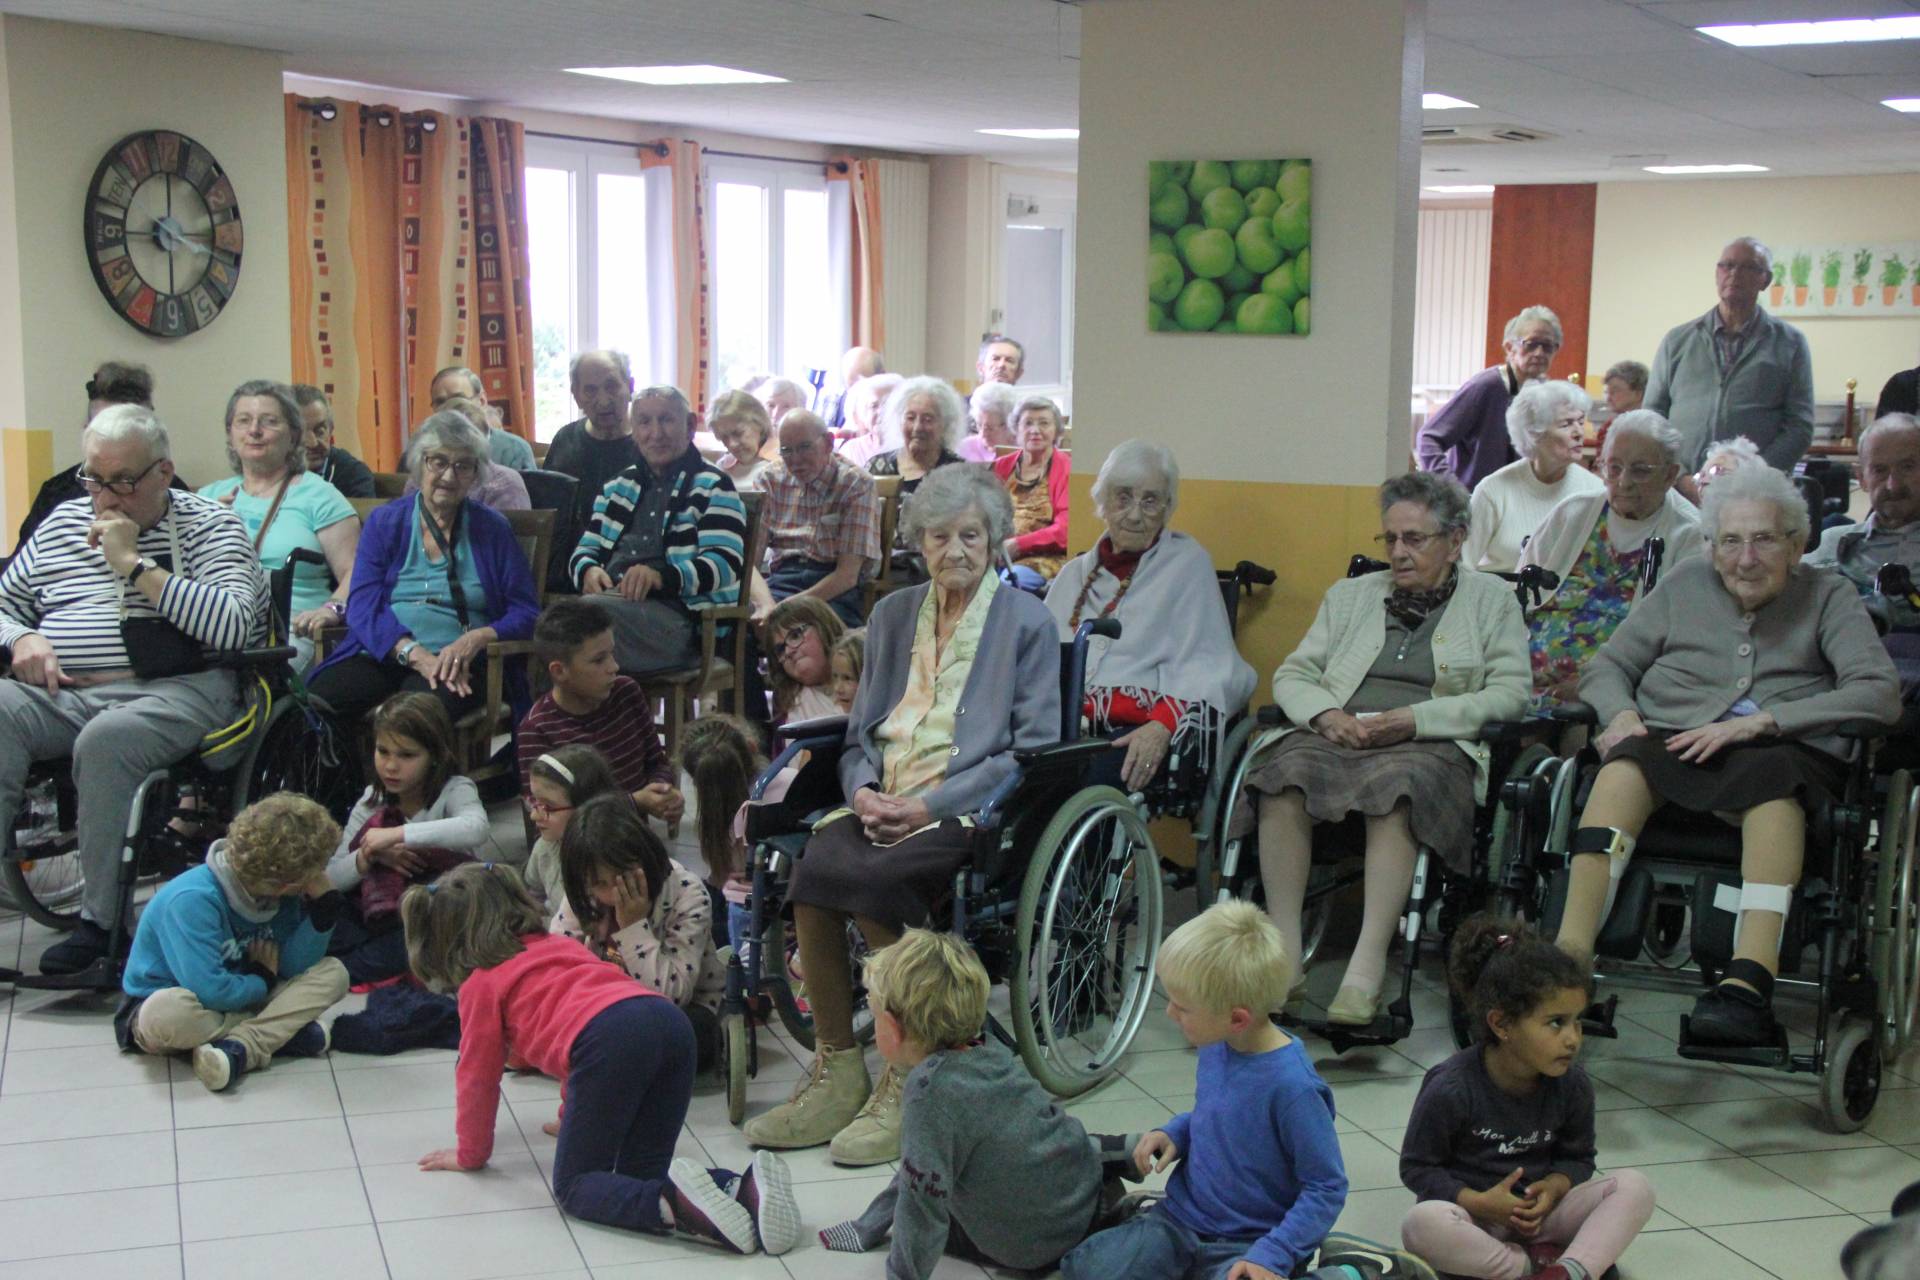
(108, 611)
(855, 364)
(1001, 359)
(819, 527)
(503, 446)
(599, 445)
(1736, 371)
(1467, 437)
(324, 458)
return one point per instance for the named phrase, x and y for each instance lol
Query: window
(779, 289)
(1033, 278)
(595, 282)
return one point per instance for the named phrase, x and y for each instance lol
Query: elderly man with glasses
(1736, 371)
(109, 611)
(820, 527)
(1467, 437)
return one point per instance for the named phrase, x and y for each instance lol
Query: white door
(1033, 277)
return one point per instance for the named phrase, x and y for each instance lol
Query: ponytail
(1506, 966)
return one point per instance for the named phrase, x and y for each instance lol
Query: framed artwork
(1230, 247)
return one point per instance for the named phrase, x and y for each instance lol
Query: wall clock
(163, 233)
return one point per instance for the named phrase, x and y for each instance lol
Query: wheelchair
(279, 741)
(1438, 899)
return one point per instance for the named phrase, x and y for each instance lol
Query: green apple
(1184, 236)
(1208, 175)
(1303, 270)
(1296, 180)
(1199, 306)
(1224, 208)
(1303, 316)
(1255, 243)
(1233, 302)
(1280, 283)
(1263, 313)
(1169, 206)
(1157, 318)
(1239, 280)
(1226, 326)
(1160, 242)
(1164, 277)
(1163, 171)
(1262, 202)
(1293, 225)
(1210, 253)
(1248, 174)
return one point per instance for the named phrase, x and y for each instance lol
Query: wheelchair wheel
(300, 752)
(1851, 1083)
(733, 1064)
(1669, 936)
(1087, 931)
(47, 887)
(798, 1021)
(1896, 919)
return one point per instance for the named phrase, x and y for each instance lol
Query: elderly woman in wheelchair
(1728, 692)
(961, 673)
(1393, 682)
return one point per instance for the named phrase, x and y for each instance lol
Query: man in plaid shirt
(819, 524)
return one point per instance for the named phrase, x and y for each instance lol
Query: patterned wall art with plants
(1831, 279)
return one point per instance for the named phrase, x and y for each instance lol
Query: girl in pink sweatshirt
(624, 1056)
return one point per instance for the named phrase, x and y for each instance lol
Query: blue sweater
(189, 936)
(1258, 1157)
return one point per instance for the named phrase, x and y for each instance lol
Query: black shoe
(78, 950)
(1733, 1017)
(310, 1041)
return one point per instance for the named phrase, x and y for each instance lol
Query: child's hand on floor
(1498, 1202)
(1244, 1270)
(444, 1159)
(1542, 1196)
(1154, 1152)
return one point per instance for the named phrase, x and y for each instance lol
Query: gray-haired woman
(960, 673)
(286, 508)
(1726, 693)
(920, 426)
(1467, 436)
(1393, 681)
(438, 577)
(496, 486)
(991, 409)
(1544, 423)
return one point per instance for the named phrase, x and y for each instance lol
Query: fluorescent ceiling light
(699, 73)
(1441, 102)
(1705, 168)
(1470, 189)
(1901, 104)
(1839, 31)
(1040, 134)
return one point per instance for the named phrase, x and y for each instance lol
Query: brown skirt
(1736, 779)
(1434, 778)
(842, 870)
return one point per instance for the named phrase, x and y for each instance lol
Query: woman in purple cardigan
(436, 580)
(1467, 436)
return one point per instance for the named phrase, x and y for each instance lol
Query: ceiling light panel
(697, 73)
(1672, 169)
(1773, 35)
(1442, 102)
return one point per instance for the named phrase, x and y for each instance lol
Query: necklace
(1080, 601)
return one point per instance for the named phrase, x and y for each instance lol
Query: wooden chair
(478, 728)
(540, 448)
(389, 485)
(723, 658)
(886, 490)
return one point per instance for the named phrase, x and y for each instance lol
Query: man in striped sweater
(668, 536)
(129, 551)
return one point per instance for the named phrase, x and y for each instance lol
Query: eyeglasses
(1763, 544)
(1147, 504)
(541, 809)
(1414, 542)
(266, 420)
(1536, 345)
(799, 450)
(795, 636)
(122, 488)
(1639, 472)
(465, 468)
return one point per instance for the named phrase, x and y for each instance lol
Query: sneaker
(873, 1136)
(1733, 1017)
(220, 1065)
(702, 1210)
(822, 1105)
(1544, 1254)
(1345, 1257)
(310, 1041)
(1353, 1007)
(80, 949)
(766, 1192)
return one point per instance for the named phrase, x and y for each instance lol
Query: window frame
(775, 178)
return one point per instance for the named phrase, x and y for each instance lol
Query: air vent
(1444, 135)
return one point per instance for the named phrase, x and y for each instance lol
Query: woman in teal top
(285, 508)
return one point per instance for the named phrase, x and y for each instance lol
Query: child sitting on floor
(418, 819)
(229, 961)
(1500, 1148)
(592, 702)
(632, 904)
(623, 1054)
(558, 783)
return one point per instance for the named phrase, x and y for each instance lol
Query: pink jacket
(1052, 538)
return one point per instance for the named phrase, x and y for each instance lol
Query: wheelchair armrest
(1269, 717)
(249, 659)
(1496, 731)
(1062, 754)
(819, 727)
(1574, 713)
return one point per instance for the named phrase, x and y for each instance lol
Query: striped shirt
(621, 728)
(703, 535)
(834, 515)
(62, 589)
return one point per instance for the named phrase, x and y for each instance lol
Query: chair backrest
(555, 491)
(1814, 494)
(534, 532)
(540, 448)
(550, 490)
(886, 491)
(389, 484)
(364, 507)
(754, 500)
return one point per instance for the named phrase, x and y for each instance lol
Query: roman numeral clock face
(163, 233)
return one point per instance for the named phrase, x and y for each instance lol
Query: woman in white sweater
(1544, 421)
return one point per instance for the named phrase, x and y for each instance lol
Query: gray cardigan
(1768, 396)
(1011, 700)
(1687, 654)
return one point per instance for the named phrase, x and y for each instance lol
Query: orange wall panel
(1543, 255)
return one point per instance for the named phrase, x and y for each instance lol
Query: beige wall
(73, 91)
(960, 226)
(1655, 243)
(13, 403)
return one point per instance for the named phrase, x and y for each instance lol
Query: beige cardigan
(1480, 663)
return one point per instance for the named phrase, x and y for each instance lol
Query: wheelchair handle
(1574, 713)
(1254, 575)
(307, 555)
(1108, 627)
(1362, 565)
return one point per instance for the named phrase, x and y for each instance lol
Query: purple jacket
(1468, 438)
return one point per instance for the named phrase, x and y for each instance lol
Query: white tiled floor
(115, 1166)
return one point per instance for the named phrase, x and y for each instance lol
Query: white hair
(952, 492)
(1649, 425)
(994, 397)
(1530, 317)
(1885, 425)
(946, 402)
(1759, 248)
(786, 388)
(125, 422)
(618, 359)
(1757, 484)
(1535, 408)
(1138, 464)
(449, 431)
(1742, 451)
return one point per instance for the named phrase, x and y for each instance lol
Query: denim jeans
(1151, 1246)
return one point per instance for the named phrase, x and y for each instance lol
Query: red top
(532, 1006)
(1123, 709)
(1052, 537)
(621, 727)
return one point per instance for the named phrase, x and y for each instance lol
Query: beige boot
(822, 1104)
(874, 1135)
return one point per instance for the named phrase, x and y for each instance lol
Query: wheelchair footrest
(102, 976)
(1392, 1025)
(1775, 1055)
(1597, 1020)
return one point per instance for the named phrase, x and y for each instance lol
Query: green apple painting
(1230, 246)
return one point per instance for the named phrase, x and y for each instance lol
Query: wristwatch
(140, 566)
(405, 651)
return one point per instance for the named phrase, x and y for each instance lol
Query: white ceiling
(1618, 83)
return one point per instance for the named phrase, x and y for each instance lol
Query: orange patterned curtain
(691, 310)
(867, 312)
(419, 260)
